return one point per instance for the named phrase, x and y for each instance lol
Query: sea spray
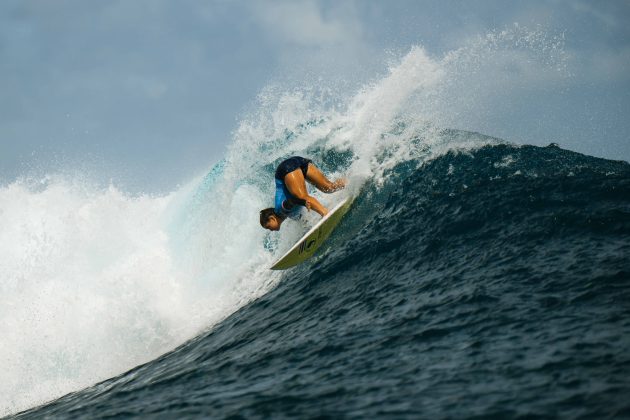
(93, 283)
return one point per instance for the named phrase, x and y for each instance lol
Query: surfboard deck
(314, 238)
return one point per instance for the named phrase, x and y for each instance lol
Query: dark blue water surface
(489, 284)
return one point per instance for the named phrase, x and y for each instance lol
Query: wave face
(491, 283)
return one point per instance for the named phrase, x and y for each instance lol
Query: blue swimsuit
(283, 207)
(284, 203)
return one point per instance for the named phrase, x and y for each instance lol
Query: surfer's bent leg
(317, 178)
(295, 183)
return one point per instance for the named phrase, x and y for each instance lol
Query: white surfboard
(314, 238)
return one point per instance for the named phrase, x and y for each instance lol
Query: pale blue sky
(148, 91)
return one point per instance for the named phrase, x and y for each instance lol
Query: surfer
(291, 192)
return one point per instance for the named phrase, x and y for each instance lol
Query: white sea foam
(93, 284)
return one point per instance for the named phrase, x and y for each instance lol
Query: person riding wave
(291, 193)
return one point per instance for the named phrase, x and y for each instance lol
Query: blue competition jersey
(282, 194)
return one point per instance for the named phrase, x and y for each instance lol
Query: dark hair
(265, 215)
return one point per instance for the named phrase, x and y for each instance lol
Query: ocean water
(472, 278)
(490, 284)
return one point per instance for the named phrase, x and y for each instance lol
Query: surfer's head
(270, 220)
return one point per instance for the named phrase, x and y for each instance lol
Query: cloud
(314, 41)
(306, 24)
(606, 65)
(601, 15)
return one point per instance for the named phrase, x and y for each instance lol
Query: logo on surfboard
(307, 244)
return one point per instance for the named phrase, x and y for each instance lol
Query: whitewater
(96, 281)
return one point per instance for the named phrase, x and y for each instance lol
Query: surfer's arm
(309, 202)
(312, 203)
